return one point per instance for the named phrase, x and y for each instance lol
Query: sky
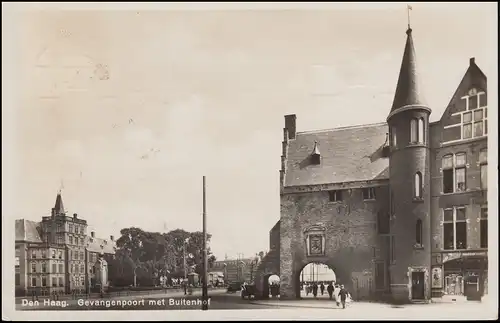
(127, 110)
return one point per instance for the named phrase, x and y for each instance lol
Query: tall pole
(205, 260)
(185, 269)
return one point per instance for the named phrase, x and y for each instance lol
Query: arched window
(418, 185)
(413, 130)
(421, 131)
(394, 138)
(418, 232)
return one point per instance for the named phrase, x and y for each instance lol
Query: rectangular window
(369, 193)
(455, 229)
(60, 254)
(454, 173)
(33, 254)
(33, 281)
(61, 268)
(61, 283)
(379, 276)
(70, 240)
(82, 269)
(44, 254)
(335, 196)
(483, 164)
(475, 118)
(44, 281)
(33, 267)
(82, 256)
(81, 241)
(44, 267)
(54, 268)
(70, 228)
(54, 282)
(18, 279)
(484, 227)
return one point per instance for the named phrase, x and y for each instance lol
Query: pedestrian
(329, 289)
(308, 289)
(322, 288)
(315, 289)
(336, 294)
(343, 295)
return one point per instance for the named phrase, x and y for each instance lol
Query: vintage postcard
(218, 161)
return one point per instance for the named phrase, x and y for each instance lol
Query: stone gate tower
(409, 180)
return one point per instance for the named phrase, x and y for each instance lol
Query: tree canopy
(153, 254)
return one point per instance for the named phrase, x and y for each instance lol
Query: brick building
(56, 255)
(397, 209)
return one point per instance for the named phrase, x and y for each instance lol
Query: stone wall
(350, 236)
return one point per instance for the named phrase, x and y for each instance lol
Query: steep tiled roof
(348, 154)
(95, 244)
(408, 90)
(27, 231)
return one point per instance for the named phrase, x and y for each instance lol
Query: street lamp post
(186, 241)
(205, 260)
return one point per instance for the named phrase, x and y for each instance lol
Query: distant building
(236, 270)
(57, 255)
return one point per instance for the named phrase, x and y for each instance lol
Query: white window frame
(461, 114)
(454, 221)
(454, 171)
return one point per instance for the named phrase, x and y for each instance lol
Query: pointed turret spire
(59, 207)
(408, 92)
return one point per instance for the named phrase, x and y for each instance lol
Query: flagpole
(408, 8)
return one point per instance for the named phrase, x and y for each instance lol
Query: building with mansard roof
(397, 209)
(56, 255)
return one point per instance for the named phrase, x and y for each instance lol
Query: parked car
(234, 287)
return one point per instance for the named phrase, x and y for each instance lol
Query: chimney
(112, 238)
(92, 234)
(472, 61)
(290, 125)
(75, 215)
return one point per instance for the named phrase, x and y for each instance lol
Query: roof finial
(408, 10)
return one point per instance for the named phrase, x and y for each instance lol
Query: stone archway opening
(268, 285)
(313, 281)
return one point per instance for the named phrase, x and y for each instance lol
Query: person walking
(329, 289)
(343, 295)
(336, 294)
(322, 288)
(315, 290)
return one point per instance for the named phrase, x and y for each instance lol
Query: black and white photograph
(235, 161)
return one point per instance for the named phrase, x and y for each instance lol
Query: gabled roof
(348, 154)
(473, 75)
(28, 231)
(101, 245)
(408, 90)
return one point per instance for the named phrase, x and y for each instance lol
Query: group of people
(335, 291)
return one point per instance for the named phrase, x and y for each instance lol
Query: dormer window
(316, 156)
(335, 196)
